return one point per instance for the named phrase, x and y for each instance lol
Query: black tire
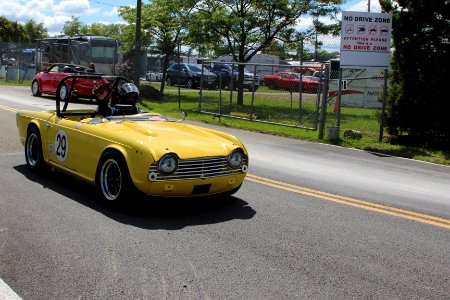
(252, 88)
(113, 181)
(169, 81)
(33, 150)
(190, 84)
(35, 89)
(271, 85)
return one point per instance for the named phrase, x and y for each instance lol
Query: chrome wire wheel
(63, 93)
(111, 179)
(32, 149)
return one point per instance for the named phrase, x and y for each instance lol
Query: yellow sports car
(122, 154)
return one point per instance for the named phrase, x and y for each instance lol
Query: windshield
(195, 68)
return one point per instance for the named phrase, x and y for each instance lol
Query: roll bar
(72, 92)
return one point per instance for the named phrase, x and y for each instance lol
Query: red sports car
(291, 81)
(46, 82)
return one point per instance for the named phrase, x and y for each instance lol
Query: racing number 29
(61, 145)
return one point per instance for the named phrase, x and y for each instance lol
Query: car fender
(24, 123)
(134, 158)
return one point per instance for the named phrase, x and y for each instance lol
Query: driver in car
(127, 94)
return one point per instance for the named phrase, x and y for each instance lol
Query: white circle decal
(62, 145)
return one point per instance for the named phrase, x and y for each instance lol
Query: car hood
(161, 137)
(205, 72)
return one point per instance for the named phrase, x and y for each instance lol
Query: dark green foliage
(419, 100)
(12, 31)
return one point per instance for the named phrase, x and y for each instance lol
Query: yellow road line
(8, 108)
(388, 210)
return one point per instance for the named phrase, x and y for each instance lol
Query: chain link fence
(17, 60)
(357, 112)
(277, 94)
(339, 103)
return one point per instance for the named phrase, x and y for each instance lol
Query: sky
(53, 13)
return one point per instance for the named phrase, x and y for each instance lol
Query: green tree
(34, 30)
(12, 31)
(249, 26)
(164, 23)
(116, 31)
(72, 27)
(418, 102)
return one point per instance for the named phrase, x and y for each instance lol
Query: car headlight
(235, 159)
(168, 164)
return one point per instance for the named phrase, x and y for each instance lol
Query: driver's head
(129, 93)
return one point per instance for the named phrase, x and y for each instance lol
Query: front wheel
(113, 179)
(35, 89)
(33, 150)
(252, 88)
(190, 84)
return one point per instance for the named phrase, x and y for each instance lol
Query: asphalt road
(312, 221)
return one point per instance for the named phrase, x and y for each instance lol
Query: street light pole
(137, 54)
(368, 6)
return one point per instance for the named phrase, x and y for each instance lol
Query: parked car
(191, 76)
(227, 76)
(45, 82)
(292, 82)
(124, 155)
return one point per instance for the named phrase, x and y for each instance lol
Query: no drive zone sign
(365, 39)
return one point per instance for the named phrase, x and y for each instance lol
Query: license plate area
(201, 189)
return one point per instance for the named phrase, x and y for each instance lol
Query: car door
(47, 78)
(184, 74)
(52, 78)
(64, 144)
(294, 82)
(173, 72)
(284, 81)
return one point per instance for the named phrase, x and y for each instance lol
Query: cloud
(362, 6)
(73, 8)
(112, 13)
(22, 12)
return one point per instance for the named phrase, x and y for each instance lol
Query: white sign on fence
(365, 39)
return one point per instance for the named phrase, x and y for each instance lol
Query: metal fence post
(339, 98)
(383, 105)
(323, 108)
(252, 109)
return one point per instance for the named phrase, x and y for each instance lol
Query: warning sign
(365, 39)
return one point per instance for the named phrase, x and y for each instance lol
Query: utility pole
(137, 54)
(368, 6)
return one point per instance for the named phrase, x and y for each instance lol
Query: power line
(103, 3)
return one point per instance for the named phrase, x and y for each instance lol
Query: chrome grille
(199, 168)
(248, 77)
